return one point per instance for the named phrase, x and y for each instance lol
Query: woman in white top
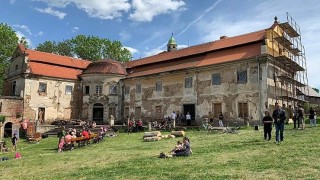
(188, 117)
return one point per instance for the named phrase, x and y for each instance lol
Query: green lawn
(215, 156)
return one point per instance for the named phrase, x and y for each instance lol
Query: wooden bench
(82, 140)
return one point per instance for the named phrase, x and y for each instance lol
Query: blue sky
(144, 26)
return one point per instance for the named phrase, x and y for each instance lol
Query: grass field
(215, 156)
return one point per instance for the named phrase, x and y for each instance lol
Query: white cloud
(153, 52)
(132, 50)
(182, 46)
(52, 12)
(145, 10)
(40, 33)
(106, 9)
(23, 27)
(21, 35)
(124, 35)
(75, 29)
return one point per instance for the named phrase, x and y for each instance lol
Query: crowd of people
(280, 117)
(135, 126)
(66, 136)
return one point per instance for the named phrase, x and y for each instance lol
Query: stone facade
(101, 97)
(201, 93)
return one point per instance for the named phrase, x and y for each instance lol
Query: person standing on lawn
(279, 117)
(221, 118)
(312, 114)
(267, 126)
(14, 141)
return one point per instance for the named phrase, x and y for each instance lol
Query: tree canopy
(8, 43)
(90, 48)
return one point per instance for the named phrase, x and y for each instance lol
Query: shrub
(2, 118)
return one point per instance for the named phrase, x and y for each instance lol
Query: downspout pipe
(259, 89)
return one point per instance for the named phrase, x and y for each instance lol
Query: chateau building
(240, 76)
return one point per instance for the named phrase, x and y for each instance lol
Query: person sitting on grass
(86, 134)
(177, 147)
(185, 150)
(4, 147)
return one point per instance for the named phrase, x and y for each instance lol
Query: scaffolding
(289, 62)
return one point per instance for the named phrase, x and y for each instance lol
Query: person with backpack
(279, 117)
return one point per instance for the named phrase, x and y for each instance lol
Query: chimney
(223, 37)
(264, 47)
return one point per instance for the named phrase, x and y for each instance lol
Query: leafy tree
(115, 50)
(317, 90)
(65, 48)
(90, 48)
(8, 44)
(47, 46)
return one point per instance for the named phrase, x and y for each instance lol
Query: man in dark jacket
(279, 117)
(312, 114)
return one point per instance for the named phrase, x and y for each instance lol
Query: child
(61, 143)
(14, 140)
(177, 147)
(4, 147)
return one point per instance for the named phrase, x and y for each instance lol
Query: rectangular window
(98, 89)
(243, 110)
(126, 113)
(216, 79)
(42, 87)
(159, 112)
(188, 82)
(87, 90)
(68, 89)
(113, 89)
(242, 76)
(158, 86)
(16, 67)
(137, 112)
(14, 84)
(127, 90)
(138, 88)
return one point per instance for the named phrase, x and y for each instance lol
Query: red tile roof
(52, 65)
(107, 66)
(223, 56)
(56, 71)
(37, 56)
(202, 48)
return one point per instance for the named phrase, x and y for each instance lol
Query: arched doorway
(8, 130)
(97, 112)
